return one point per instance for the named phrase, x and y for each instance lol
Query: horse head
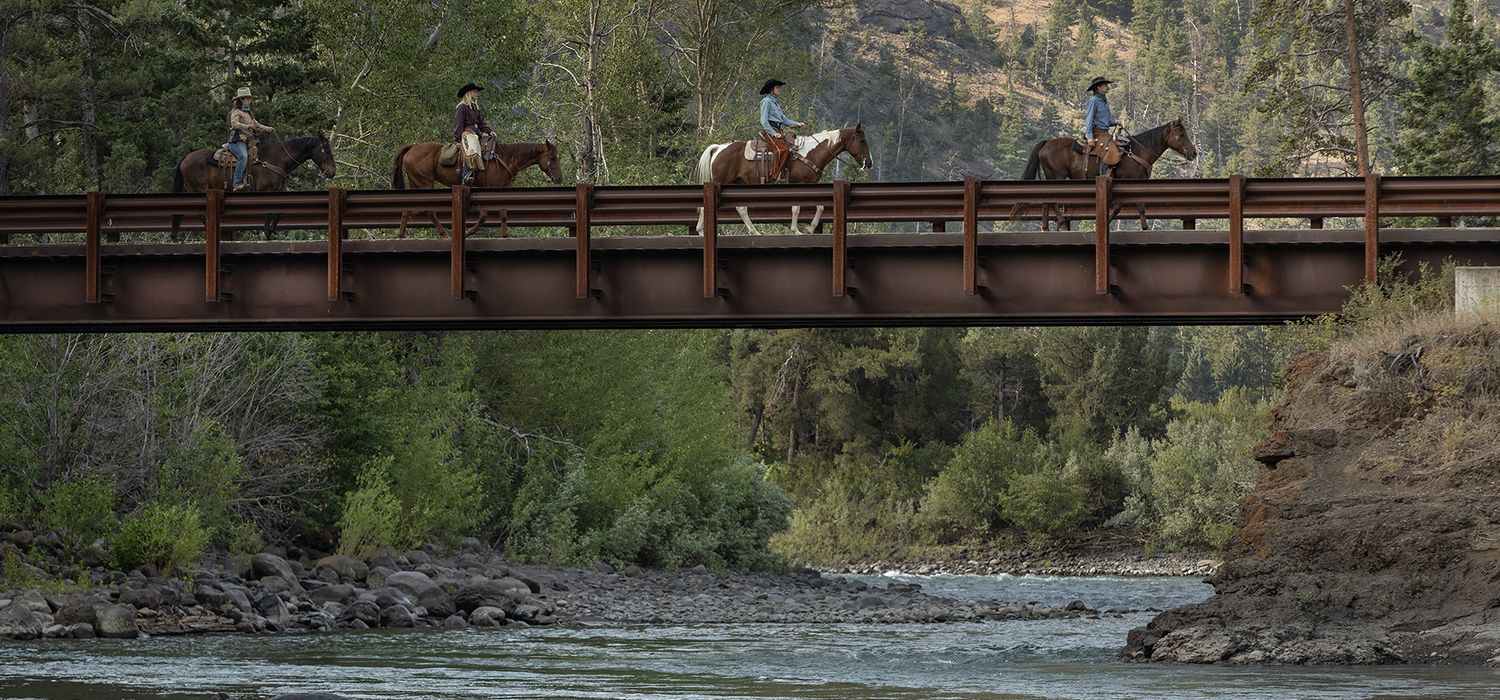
(551, 162)
(1176, 138)
(323, 156)
(858, 146)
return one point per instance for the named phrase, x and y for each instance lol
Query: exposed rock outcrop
(1373, 535)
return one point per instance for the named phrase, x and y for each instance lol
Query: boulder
(337, 593)
(437, 602)
(21, 622)
(497, 593)
(75, 614)
(397, 616)
(34, 601)
(487, 617)
(455, 622)
(376, 577)
(413, 583)
(116, 622)
(81, 630)
(348, 569)
(273, 608)
(267, 565)
(364, 611)
(141, 596)
(210, 595)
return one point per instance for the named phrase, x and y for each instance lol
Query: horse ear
(859, 126)
(1177, 122)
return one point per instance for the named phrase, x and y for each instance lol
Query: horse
(198, 172)
(418, 162)
(1057, 159)
(726, 163)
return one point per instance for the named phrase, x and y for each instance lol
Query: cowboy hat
(770, 85)
(243, 93)
(1101, 80)
(466, 88)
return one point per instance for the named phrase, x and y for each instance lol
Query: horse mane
(1154, 136)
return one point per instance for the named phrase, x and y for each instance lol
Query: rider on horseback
(1096, 124)
(242, 130)
(775, 126)
(468, 125)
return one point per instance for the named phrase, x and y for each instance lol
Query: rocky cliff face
(1373, 535)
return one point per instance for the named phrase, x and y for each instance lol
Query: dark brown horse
(726, 163)
(416, 166)
(1058, 159)
(199, 172)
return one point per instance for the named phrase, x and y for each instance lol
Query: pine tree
(1446, 127)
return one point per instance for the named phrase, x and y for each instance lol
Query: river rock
(365, 611)
(497, 593)
(376, 578)
(455, 622)
(21, 622)
(487, 617)
(34, 601)
(141, 595)
(266, 565)
(274, 610)
(397, 616)
(337, 593)
(81, 630)
(116, 622)
(76, 613)
(348, 569)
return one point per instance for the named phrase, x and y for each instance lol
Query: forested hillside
(680, 447)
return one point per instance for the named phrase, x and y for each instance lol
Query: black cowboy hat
(770, 85)
(465, 89)
(1101, 80)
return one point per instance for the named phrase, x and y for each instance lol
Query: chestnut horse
(418, 163)
(726, 163)
(1057, 159)
(198, 171)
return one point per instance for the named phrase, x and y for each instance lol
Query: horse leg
(271, 221)
(1046, 217)
(796, 212)
(745, 217)
(699, 228)
(817, 219)
(1141, 209)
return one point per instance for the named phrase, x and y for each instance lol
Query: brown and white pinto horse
(726, 163)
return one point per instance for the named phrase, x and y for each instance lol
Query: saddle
(756, 148)
(453, 150)
(1110, 152)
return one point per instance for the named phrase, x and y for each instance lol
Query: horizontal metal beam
(1165, 277)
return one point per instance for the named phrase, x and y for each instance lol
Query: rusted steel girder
(1164, 277)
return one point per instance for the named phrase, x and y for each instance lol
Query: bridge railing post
(583, 264)
(92, 270)
(459, 225)
(840, 237)
(1372, 227)
(971, 236)
(1101, 235)
(337, 198)
(710, 240)
(213, 210)
(1237, 234)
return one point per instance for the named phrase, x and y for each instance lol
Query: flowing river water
(1012, 659)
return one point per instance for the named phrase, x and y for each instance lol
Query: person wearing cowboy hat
(774, 124)
(1097, 120)
(468, 124)
(242, 130)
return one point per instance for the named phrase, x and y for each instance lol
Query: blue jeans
(241, 151)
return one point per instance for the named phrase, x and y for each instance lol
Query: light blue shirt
(1097, 116)
(770, 111)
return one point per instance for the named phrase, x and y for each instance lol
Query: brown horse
(1058, 159)
(726, 163)
(199, 172)
(418, 163)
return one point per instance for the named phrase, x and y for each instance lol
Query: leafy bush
(163, 536)
(372, 514)
(81, 511)
(966, 495)
(1048, 502)
(1186, 487)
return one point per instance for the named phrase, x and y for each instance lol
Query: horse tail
(705, 171)
(177, 187)
(1033, 162)
(398, 168)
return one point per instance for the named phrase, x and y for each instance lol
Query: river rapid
(1055, 658)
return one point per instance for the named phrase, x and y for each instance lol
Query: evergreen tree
(1447, 125)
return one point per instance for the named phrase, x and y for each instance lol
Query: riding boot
(465, 175)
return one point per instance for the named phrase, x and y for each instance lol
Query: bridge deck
(1235, 275)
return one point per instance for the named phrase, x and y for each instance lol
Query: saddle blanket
(224, 158)
(758, 149)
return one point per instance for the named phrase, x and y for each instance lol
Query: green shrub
(1048, 502)
(167, 537)
(81, 511)
(243, 538)
(966, 494)
(372, 514)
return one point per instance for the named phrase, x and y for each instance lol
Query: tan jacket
(240, 122)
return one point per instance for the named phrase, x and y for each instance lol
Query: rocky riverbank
(1064, 562)
(1373, 535)
(472, 587)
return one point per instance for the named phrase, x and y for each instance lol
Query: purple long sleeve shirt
(467, 117)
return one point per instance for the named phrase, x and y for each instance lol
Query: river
(1018, 659)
